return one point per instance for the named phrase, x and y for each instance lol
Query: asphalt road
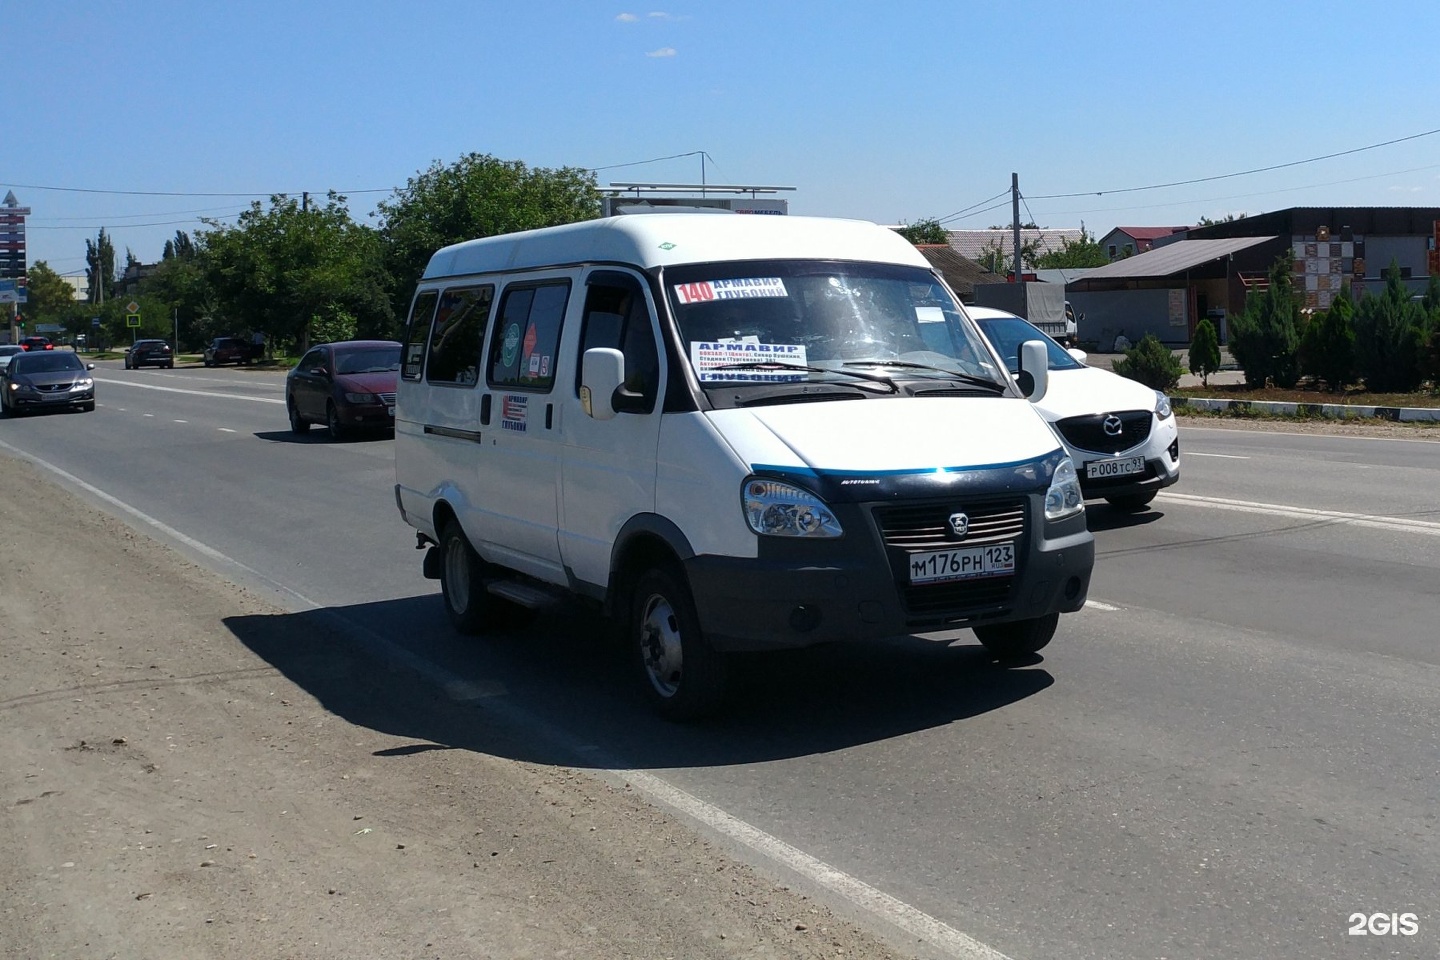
(1233, 749)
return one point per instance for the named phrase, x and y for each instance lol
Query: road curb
(1331, 411)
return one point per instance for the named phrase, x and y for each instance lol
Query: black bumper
(856, 593)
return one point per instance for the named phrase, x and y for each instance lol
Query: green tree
(1151, 363)
(997, 257)
(1264, 337)
(100, 266)
(476, 196)
(1327, 347)
(1205, 351)
(1084, 252)
(179, 281)
(924, 231)
(51, 299)
(1389, 332)
(294, 273)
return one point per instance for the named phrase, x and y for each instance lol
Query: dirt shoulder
(165, 792)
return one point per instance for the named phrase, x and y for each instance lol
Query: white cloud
(659, 15)
(627, 18)
(662, 52)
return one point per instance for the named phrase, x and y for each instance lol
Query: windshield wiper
(950, 374)
(776, 365)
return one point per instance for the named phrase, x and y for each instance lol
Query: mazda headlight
(777, 509)
(1162, 406)
(1064, 499)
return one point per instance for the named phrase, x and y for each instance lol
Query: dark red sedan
(37, 343)
(348, 386)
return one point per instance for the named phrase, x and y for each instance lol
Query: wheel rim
(661, 647)
(457, 575)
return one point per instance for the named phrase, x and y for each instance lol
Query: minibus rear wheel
(461, 582)
(1018, 638)
(683, 676)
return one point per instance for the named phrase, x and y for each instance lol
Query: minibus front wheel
(1018, 638)
(683, 676)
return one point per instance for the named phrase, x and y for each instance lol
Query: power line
(637, 163)
(174, 193)
(1003, 203)
(1242, 173)
(964, 210)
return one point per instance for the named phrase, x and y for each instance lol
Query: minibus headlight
(1064, 499)
(776, 509)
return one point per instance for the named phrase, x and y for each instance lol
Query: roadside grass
(1192, 413)
(1310, 395)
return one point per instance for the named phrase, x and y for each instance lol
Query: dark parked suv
(227, 350)
(156, 353)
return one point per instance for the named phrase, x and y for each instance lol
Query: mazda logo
(1113, 426)
(959, 525)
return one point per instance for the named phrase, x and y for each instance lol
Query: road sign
(94, 321)
(132, 307)
(132, 320)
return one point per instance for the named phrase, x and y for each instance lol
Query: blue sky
(892, 112)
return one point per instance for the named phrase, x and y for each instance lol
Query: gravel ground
(167, 792)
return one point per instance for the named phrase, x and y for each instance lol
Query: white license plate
(938, 565)
(1114, 468)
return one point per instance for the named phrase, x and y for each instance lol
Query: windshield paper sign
(708, 357)
(738, 289)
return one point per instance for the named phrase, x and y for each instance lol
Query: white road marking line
(1373, 521)
(225, 430)
(1101, 605)
(1221, 456)
(194, 393)
(148, 414)
(883, 905)
(179, 421)
(897, 912)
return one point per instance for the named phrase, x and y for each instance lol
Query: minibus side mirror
(1034, 375)
(602, 371)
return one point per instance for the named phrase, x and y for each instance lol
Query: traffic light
(20, 320)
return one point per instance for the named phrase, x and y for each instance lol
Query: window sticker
(744, 288)
(708, 356)
(545, 365)
(534, 365)
(514, 412)
(511, 345)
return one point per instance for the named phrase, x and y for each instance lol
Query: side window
(315, 358)
(616, 316)
(412, 357)
(527, 334)
(455, 343)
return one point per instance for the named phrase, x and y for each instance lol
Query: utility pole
(1015, 218)
(305, 201)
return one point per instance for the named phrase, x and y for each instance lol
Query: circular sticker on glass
(510, 346)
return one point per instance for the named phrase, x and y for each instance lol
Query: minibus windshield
(768, 322)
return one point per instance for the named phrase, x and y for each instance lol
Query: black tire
(88, 407)
(298, 424)
(682, 675)
(462, 583)
(170, 365)
(1132, 501)
(332, 421)
(1018, 638)
(209, 363)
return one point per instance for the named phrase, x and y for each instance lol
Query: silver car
(46, 381)
(8, 350)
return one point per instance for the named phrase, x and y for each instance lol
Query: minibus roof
(655, 240)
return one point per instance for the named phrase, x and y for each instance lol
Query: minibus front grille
(908, 529)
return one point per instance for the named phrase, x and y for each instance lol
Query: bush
(1205, 351)
(1327, 347)
(1389, 333)
(1151, 363)
(1264, 337)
